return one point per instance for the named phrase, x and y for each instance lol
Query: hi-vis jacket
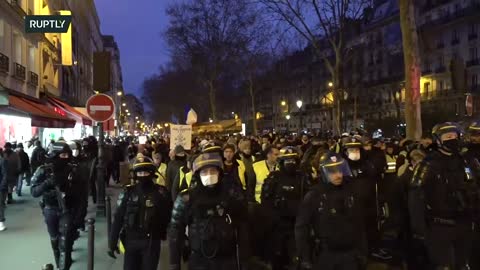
(261, 173)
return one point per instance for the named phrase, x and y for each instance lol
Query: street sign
(100, 107)
(469, 105)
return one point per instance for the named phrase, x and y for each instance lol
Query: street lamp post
(299, 105)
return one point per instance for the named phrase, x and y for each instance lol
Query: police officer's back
(141, 219)
(331, 210)
(439, 204)
(282, 193)
(53, 182)
(215, 214)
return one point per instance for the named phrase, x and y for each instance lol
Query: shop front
(82, 128)
(23, 117)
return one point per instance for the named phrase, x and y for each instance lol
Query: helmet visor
(333, 171)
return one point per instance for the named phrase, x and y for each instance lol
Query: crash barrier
(91, 242)
(109, 217)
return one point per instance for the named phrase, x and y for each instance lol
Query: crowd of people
(267, 202)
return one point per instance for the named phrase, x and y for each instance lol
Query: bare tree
(411, 55)
(326, 25)
(210, 35)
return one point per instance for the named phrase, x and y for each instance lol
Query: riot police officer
(54, 182)
(365, 185)
(439, 205)
(215, 214)
(331, 209)
(141, 218)
(472, 157)
(282, 193)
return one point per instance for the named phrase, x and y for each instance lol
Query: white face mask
(354, 156)
(210, 179)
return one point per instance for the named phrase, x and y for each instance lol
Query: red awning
(42, 115)
(56, 102)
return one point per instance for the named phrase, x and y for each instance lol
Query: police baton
(109, 218)
(91, 242)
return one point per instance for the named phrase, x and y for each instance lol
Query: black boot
(56, 251)
(10, 198)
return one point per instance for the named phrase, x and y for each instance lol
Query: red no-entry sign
(100, 107)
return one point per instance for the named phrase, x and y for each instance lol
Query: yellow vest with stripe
(391, 164)
(187, 176)
(261, 173)
(161, 174)
(241, 174)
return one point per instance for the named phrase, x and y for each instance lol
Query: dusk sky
(137, 27)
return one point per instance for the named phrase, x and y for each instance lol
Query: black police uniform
(53, 182)
(441, 209)
(141, 221)
(333, 212)
(282, 193)
(217, 233)
(472, 158)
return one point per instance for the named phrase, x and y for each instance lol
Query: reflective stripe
(391, 164)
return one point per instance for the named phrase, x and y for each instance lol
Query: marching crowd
(269, 202)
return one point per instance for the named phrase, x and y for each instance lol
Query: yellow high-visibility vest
(161, 174)
(261, 173)
(187, 176)
(391, 164)
(241, 174)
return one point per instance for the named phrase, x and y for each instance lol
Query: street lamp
(233, 113)
(126, 110)
(136, 117)
(330, 84)
(166, 125)
(299, 104)
(119, 93)
(128, 114)
(210, 120)
(288, 116)
(124, 104)
(283, 103)
(138, 121)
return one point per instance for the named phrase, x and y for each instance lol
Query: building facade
(373, 81)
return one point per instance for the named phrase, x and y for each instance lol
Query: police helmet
(474, 128)
(289, 153)
(352, 143)
(204, 160)
(331, 163)
(143, 164)
(443, 128)
(59, 148)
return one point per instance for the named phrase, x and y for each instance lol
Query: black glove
(112, 252)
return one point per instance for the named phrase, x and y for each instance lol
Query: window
(454, 35)
(426, 88)
(441, 61)
(440, 85)
(32, 53)
(472, 29)
(17, 48)
(473, 53)
(474, 79)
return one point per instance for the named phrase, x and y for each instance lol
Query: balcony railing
(472, 36)
(471, 9)
(20, 71)
(473, 62)
(431, 5)
(440, 69)
(33, 79)
(455, 41)
(4, 63)
(426, 71)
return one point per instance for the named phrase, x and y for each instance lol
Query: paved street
(25, 245)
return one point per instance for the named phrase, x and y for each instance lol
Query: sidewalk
(25, 245)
